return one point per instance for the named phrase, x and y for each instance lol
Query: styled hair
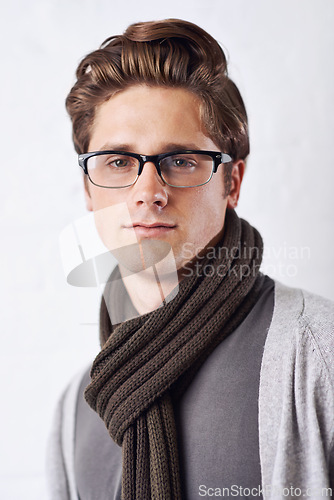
(169, 53)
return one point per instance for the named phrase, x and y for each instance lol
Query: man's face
(150, 121)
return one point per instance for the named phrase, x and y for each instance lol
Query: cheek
(210, 202)
(102, 198)
(213, 209)
(109, 220)
(205, 210)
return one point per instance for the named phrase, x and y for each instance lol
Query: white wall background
(281, 55)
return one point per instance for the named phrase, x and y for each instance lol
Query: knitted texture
(148, 362)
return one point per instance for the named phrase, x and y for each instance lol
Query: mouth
(152, 230)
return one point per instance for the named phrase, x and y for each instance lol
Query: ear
(237, 174)
(88, 199)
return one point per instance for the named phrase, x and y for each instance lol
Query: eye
(120, 162)
(181, 162)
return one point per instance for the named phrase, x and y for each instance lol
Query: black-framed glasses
(119, 169)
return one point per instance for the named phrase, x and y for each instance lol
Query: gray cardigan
(296, 405)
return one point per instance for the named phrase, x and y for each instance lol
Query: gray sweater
(296, 406)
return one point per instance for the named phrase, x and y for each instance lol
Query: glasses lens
(186, 169)
(112, 170)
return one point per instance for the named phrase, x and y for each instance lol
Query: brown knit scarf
(147, 362)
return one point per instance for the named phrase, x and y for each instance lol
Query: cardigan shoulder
(317, 320)
(296, 397)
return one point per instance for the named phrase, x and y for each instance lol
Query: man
(212, 379)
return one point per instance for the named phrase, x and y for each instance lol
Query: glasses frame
(217, 157)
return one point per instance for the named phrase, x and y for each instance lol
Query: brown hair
(172, 53)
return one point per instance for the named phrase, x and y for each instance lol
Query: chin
(145, 254)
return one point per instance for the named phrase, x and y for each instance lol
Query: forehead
(149, 117)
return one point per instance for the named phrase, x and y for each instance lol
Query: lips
(151, 229)
(151, 225)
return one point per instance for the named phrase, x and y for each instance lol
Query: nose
(150, 189)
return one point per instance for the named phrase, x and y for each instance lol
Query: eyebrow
(166, 148)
